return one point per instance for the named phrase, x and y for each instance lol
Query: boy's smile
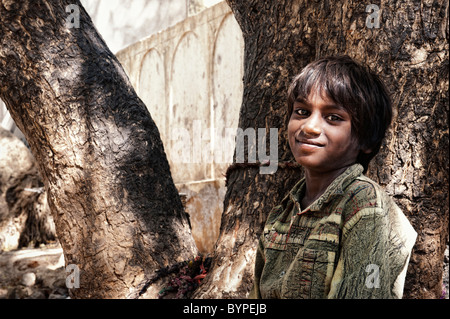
(320, 135)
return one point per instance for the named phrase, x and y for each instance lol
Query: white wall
(8, 123)
(122, 23)
(190, 78)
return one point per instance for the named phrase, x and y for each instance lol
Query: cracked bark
(117, 212)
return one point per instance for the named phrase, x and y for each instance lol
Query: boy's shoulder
(365, 192)
(365, 197)
(368, 199)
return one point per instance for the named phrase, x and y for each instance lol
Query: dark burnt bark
(410, 52)
(117, 212)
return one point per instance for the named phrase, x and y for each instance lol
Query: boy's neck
(317, 183)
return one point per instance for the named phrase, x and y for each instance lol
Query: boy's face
(320, 135)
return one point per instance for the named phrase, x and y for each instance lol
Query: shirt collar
(336, 188)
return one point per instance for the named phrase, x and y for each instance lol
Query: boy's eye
(301, 112)
(333, 118)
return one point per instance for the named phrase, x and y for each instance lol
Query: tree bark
(409, 50)
(117, 212)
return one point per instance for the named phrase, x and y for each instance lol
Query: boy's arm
(373, 258)
(259, 265)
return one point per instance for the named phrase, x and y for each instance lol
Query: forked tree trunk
(116, 209)
(409, 49)
(117, 212)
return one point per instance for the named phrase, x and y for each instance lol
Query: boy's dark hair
(353, 87)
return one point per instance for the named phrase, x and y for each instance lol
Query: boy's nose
(312, 126)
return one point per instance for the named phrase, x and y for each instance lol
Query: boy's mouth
(309, 142)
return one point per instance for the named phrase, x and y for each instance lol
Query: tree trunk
(117, 212)
(409, 49)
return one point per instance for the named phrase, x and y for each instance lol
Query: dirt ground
(36, 273)
(39, 273)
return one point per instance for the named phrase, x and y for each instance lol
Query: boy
(337, 234)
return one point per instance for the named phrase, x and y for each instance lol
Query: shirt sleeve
(372, 259)
(255, 292)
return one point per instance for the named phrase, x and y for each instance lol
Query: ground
(33, 273)
(39, 273)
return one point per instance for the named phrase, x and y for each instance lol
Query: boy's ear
(363, 148)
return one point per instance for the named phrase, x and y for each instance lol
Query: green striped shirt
(352, 242)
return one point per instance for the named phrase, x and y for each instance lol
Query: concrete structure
(8, 123)
(190, 78)
(122, 23)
